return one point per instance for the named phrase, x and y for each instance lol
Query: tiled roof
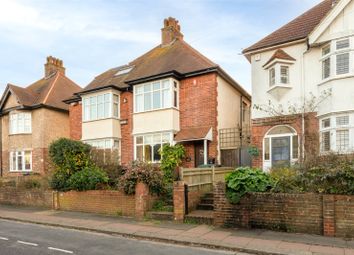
(190, 134)
(280, 54)
(176, 57)
(49, 91)
(296, 29)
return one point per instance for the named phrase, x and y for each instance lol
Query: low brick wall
(97, 201)
(330, 215)
(26, 197)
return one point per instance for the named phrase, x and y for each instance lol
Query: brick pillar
(329, 223)
(179, 209)
(55, 203)
(219, 204)
(141, 200)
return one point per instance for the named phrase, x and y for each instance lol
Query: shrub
(59, 180)
(285, 180)
(244, 180)
(87, 179)
(142, 172)
(171, 158)
(69, 155)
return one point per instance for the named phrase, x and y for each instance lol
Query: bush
(285, 180)
(142, 172)
(87, 179)
(69, 155)
(171, 158)
(59, 180)
(244, 180)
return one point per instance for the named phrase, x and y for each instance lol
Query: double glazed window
(101, 106)
(104, 143)
(21, 161)
(147, 146)
(20, 123)
(156, 95)
(336, 56)
(335, 134)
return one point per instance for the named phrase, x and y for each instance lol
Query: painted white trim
(327, 21)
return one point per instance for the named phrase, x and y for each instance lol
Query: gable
(339, 23)
(11, 101)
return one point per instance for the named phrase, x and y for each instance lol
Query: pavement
(236, 240)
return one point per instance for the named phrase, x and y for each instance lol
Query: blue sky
(94, 35)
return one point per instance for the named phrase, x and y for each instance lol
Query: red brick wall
(261, 126)
(126, 113)
(25, 197)
(97, 201)
(198, 108)
(330, 215)
(75, 115)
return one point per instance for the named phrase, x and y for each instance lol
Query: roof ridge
(51, 87)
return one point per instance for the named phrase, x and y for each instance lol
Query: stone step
(160, 215)
(208, 195)
(200, 217)
(205, 207)
(209, 201)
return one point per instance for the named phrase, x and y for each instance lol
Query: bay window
(21, 161)
(104, 143)
(147, 147)
(156, 95)
(101, 106)
(20, 123)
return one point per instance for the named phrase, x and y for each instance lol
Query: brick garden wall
(25, 197)
(330, 215)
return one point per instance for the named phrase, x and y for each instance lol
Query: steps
(206, 202)
(204, 212)
(160, 215)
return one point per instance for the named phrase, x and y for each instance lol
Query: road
(29, 239)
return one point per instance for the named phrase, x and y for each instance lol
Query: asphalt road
(28, 239)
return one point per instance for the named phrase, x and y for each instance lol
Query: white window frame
(285, 76)
(144, 136)
(15, 125)
(338, 146)
(21, 153)
(91, 104)
(96, 143)
(139, 91)
(272, 77)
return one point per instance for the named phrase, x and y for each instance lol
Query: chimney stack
(53, 65)
(171, 31)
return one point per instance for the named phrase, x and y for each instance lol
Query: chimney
(171, 31)
(53, 65)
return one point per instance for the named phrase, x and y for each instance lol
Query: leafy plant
(285, 180)
(87, 179)
(171, 158)
(142, 172)
(253, 151)
(244, 180)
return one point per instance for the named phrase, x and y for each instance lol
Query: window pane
(19, 161)
(156, 86)
(266, 149)
(175, 99)
(147, 152)
(166, 84)
(148, 139)
(326, 141)
(166, 98)
(157, 156)
(342, 120)
(342, 44)
(13, 154)
(108, 144)
(28, 160)
(116, 110)
(165, 138)
(272, 77)
(115, 98)
(139, 106)
(326, 68)
(87, 113)
(326, 50)
(139, 140)
(147, 88)
(100, 107)
(284, 73)
(147, 101)
(342, 140)
(157, 99)
(326, 123)
(93, 109)
(343, 63)
(157, 138)
(139, 89)
(295, 147)
(139, 153)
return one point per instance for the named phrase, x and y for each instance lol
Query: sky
(93, 36)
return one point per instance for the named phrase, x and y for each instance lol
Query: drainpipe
(1, 146)
(205, 151)
(303, 80)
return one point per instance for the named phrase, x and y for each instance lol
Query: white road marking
(4, 238)
(27, 243)
(61, 250)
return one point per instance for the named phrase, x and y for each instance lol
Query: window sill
(20, 134)
(157, 110)
(279, 86)
(88, 121)
(337, 77)
(20, 171)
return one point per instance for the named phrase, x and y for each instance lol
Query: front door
(280, 151)
(199, 153)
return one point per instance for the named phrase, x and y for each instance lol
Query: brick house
(32, 117)
(171, 94)
(302, 75)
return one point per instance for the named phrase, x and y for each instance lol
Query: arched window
(280, 147)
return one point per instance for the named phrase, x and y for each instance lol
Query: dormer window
(284, 74)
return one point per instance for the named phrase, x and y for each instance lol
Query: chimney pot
(171, 31)
(53, 65)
